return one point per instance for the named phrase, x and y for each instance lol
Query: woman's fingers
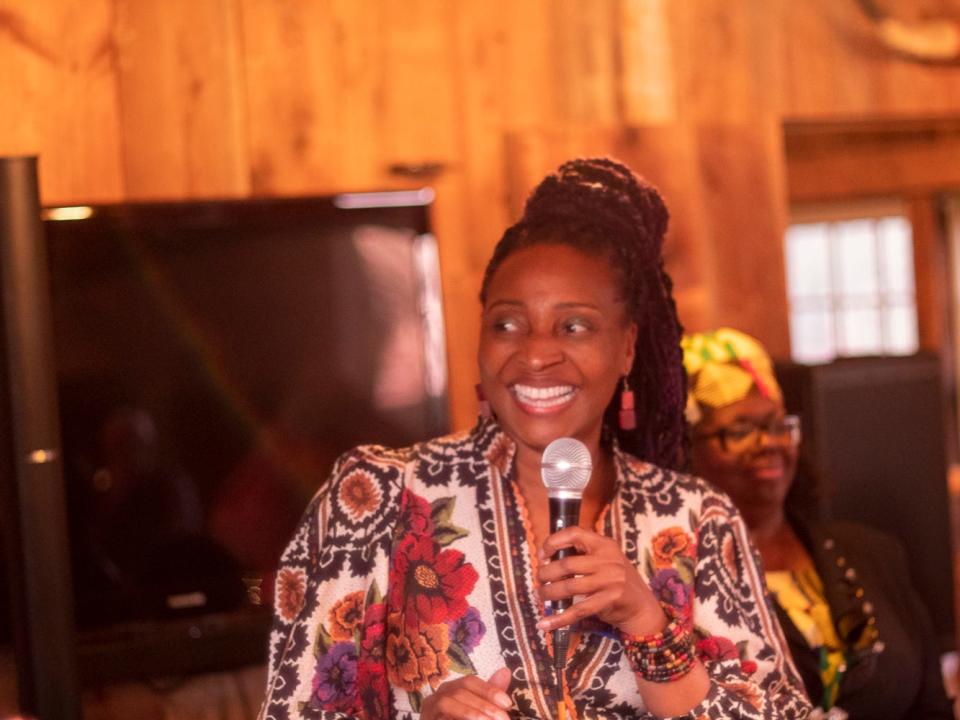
(470, 698)
(584, 541)
(576, 612)
(607, 584)
(572, 565)
(492, 693)
(608, 577)
(501, 680)
(462, 707)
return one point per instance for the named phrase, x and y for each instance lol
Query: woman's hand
(611, 587)
(470, 698)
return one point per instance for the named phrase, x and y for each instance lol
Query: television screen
(213, 359)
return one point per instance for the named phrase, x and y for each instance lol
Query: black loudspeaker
(34, 509)
(876, 440)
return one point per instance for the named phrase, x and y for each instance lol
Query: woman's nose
(540, 351)
(770, 439)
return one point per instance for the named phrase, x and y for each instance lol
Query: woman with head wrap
(859, 634)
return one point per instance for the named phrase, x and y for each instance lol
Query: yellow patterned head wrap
(723, 367)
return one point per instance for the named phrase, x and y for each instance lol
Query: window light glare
(395, 198)
(74, 212)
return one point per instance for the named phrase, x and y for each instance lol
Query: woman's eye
(739, 432)
(576, 326)
(505, 325)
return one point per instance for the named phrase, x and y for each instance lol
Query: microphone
(565, 468)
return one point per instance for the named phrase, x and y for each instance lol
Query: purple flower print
(670, 589)
(335, 679)
(467, 630)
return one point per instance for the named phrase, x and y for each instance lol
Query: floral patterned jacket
(413, 567)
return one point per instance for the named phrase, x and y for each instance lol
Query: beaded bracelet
(664, 656)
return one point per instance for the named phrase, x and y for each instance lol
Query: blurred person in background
(858, 631)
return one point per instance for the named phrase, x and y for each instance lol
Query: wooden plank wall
(185, 98)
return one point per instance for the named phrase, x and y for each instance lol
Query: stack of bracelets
(664, 656)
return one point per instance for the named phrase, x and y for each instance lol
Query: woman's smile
(543, 400)
(772, 467)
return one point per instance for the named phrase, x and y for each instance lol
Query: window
(850, 283)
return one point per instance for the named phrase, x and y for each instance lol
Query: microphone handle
(564, 512)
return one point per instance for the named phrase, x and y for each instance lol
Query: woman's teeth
(543, 397)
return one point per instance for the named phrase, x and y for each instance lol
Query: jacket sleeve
(740, 640)
(931, 702)
(327, 643)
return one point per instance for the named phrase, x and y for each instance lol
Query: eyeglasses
(745, 435)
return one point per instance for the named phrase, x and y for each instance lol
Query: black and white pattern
(346, 544)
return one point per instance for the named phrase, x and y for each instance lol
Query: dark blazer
(866, 580)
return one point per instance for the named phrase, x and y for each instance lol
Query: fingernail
(503, 700)
(543, 624)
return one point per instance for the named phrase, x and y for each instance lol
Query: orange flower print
(359, 494)
(416, 656)
(291, 588)
(345, 615)
(747, 692)
(669, 543)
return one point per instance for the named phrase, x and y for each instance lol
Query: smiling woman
(858, 631)
(448, 544)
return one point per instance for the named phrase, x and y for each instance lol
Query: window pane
(811, 337)
(859, 333)
(851, 287)
(901, 330)
(856, 257)
(896, 248)
(808, 267)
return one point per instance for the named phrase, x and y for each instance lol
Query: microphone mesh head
(566, 465)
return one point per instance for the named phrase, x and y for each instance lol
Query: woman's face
(756, 476)
(554, 343)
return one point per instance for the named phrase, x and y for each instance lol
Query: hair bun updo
(605, 194)
(601, 207)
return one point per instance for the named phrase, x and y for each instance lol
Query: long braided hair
(600, 207)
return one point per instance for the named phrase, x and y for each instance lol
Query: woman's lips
(769, 471)
(543, 400)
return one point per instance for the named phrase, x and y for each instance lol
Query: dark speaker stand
(34, 508)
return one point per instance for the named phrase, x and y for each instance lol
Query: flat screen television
(213, 359)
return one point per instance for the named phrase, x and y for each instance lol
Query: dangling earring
(628, 416)
(483, 406)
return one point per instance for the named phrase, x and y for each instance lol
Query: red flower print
(415, 515)
(715, 648)
(669, 543)
(344, 617)
(291, 588)
(374, 628)
(374, 691)
(371, 672)
(429, 587)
